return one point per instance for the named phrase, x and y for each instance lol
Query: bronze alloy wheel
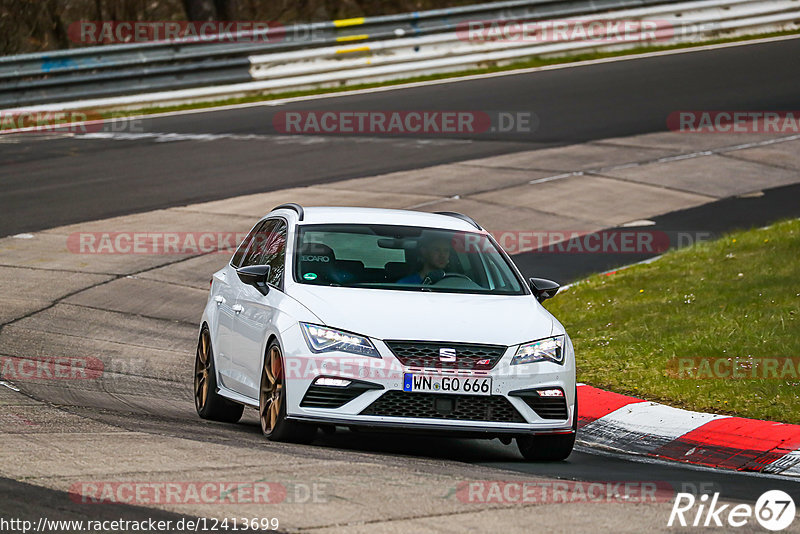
(271, 394)
(210, 404)
(202, 364)
(272, 402)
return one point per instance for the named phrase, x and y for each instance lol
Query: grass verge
(727, 303)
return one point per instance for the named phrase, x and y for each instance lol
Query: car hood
(428, 316)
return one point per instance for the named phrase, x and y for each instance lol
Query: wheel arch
(204, 325)
(272, 336)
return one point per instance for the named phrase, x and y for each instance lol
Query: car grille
(426, 354)
(430, 405)
(334, 397)
(547, 407)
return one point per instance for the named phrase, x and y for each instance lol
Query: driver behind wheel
(434, 255)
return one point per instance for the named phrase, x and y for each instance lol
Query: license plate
(464, 385)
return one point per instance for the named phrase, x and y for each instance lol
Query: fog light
(551, 393)
(334, 382)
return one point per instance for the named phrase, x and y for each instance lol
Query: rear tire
(272, 402)
(550, 448)
(208, 403)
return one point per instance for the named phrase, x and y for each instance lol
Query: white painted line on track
(9, 385)
(668, 159)
(684, 156)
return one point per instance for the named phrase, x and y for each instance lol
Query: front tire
(550, 448)
(272, 402)
(208, 403)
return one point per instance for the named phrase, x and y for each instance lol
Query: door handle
(219, 299)
(237, 308)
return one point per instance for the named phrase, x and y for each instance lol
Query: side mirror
(543, 289)
(256, 276)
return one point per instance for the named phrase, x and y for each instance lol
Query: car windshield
(402, 258)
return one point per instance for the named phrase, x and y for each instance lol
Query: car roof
(351, 215)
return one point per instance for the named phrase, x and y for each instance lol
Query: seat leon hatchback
(394, 320)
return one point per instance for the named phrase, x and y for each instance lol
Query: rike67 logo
(774, 510)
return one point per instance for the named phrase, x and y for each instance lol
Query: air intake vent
(545, 407)
(443, 406)
(335, 396)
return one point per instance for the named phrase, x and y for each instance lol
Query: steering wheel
(435, 277)
(454, 275)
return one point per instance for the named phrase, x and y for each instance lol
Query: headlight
(324, 339)
(550, 349)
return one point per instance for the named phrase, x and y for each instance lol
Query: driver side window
(275, 256)
(268, 247)
(247, 243)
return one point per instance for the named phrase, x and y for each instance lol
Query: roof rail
(461, 216)
(292, 206)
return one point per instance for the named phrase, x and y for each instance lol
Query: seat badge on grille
(447, 355)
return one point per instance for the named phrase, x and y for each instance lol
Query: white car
(385, 319)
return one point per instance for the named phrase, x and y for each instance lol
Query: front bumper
(380, 401)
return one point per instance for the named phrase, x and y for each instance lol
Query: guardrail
(353, 51)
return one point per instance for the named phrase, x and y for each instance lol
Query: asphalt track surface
(52, 182)
(615, 99)
(166, 410)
